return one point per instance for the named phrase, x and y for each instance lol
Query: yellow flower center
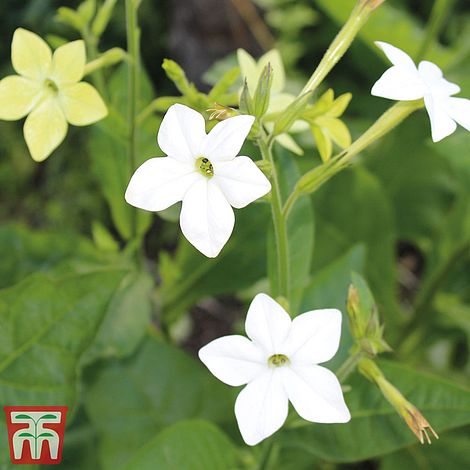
(204, 166)
(51, 85)
(278, 360)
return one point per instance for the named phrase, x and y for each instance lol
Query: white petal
(234, 360)
(206, 219)
(30, 55)
(316, 394)
(435, 81)
(396, 56)
(261, 407)
(159, 183)
(18, 96)
(241, 181)
(68, 62)
(442, 124)
(267, 324)
(225, 140)
(44, 129)
(399, 83)
(313, 337)
(459, 110)
(182, 132)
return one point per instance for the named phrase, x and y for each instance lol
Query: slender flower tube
(48, 90)
(202, 170)
(278, 364)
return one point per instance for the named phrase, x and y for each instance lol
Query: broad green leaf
(375, 428)
(300, 231)
(47, 325)
(188, 445)
(449, 452)
(126, 320)
(24, 251)
(190, 276)
(157, 387)
(353, 208)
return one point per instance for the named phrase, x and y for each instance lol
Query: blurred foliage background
(401, 218)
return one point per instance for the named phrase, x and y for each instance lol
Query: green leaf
(157, 387)
(24, 251)
(449, 452)
(45, 434)
(375, 428)
(126, 320)
(26, 434)
(188, 445)
(353, 208)
(47, 325)
(300, 231)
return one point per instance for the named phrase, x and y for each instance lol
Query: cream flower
(406, 82)
(49, 91)
(251, 71)
(279, 364)
(204, 172)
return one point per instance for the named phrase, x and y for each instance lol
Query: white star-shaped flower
(204, 172)
(404, 81)
(279, 365)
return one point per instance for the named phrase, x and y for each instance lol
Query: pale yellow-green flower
(48, 90)
(251, 71)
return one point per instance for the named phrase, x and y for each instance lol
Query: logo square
(36, 433)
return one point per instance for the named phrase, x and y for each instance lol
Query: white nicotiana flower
(279, 364)
(202, 170)
(406, 82)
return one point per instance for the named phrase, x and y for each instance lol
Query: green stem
(314, 178)
(348, 366)
(92, 52)
(341, 43)
(280, 227)
(133, 49)
(438, 15)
